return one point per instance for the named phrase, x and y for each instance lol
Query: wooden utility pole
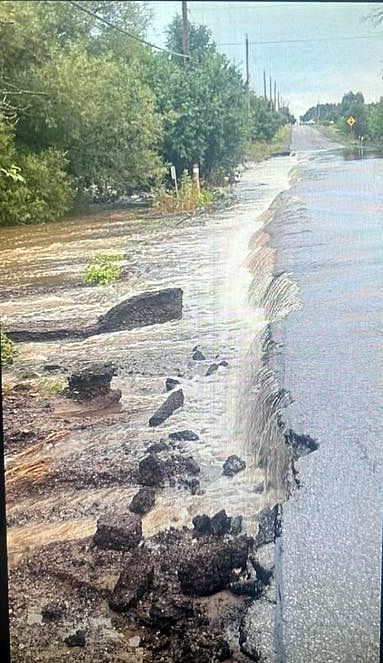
(271, 93)
(185, 31)
(247, 76)
(185, 50)
(275, 95)
(279, 101)
(264, 84)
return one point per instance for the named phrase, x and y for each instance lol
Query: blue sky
(320, 69)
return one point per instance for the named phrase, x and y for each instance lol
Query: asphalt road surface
(332, 243)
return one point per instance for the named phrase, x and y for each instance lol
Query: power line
(124, 32)
(298, 41)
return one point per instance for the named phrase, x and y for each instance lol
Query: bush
(188, 200)
(8, 350)
(36, 189)
(102, 271)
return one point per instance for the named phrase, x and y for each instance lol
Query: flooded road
(328, 235)
(207, 257)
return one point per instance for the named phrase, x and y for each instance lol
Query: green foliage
(36, 189)
(102, 271)
(188, 200)
(8, 350)
(353, 105)
(102, 115)
(51, 386)
(87, 110)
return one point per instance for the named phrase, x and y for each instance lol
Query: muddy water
(329, 235)
(208, 258)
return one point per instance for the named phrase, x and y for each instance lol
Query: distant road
(306, 139)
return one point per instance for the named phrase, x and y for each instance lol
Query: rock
(248, 587)
(209, 567)
(76, 639)
(190, 465)
(168, 609)
(263, 563)
(236, 525)
(92, 381)
(134, 581)
(301, 445)
(202, 525)
(172, 403)
(52, 611)
(171, 383)
(232, 465)
(198, 355)
(118, 531)
(212, 369)
(150, 472)
(224, 363)
(149, 308)
(269, 526)
(260, 487)
(192, 484)
(143, 501)
(184, 435)
(157, 447)
(220, 523)
(52, 368)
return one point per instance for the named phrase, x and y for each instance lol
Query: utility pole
(264, 84)
(275, 95)
(279, 101)
(185, 31)
(271, 93)
(185, 50)
(247, 76)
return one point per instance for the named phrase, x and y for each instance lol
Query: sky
(342, 50)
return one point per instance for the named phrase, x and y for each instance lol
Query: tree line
(86, 111)
(368, 117)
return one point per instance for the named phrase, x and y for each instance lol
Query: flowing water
(214, 259)
(331, 240)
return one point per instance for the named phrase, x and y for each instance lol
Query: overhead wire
(125, 32)
(298, 41)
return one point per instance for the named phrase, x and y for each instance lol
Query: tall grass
(188, 199)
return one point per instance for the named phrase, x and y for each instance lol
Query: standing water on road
(328, 234)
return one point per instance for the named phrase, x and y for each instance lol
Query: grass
(103, 269)
(8, 350)
(188, 199)
(51, 386)
(261, 150)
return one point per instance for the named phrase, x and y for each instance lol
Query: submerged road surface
(329, 237)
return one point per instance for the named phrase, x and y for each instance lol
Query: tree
(202, 103)
(102, 115)
(352, 105)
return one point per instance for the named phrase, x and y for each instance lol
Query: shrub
(102, 271)
(8, 350)
(35, 191)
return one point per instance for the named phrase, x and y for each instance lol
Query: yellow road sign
(351, 121)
